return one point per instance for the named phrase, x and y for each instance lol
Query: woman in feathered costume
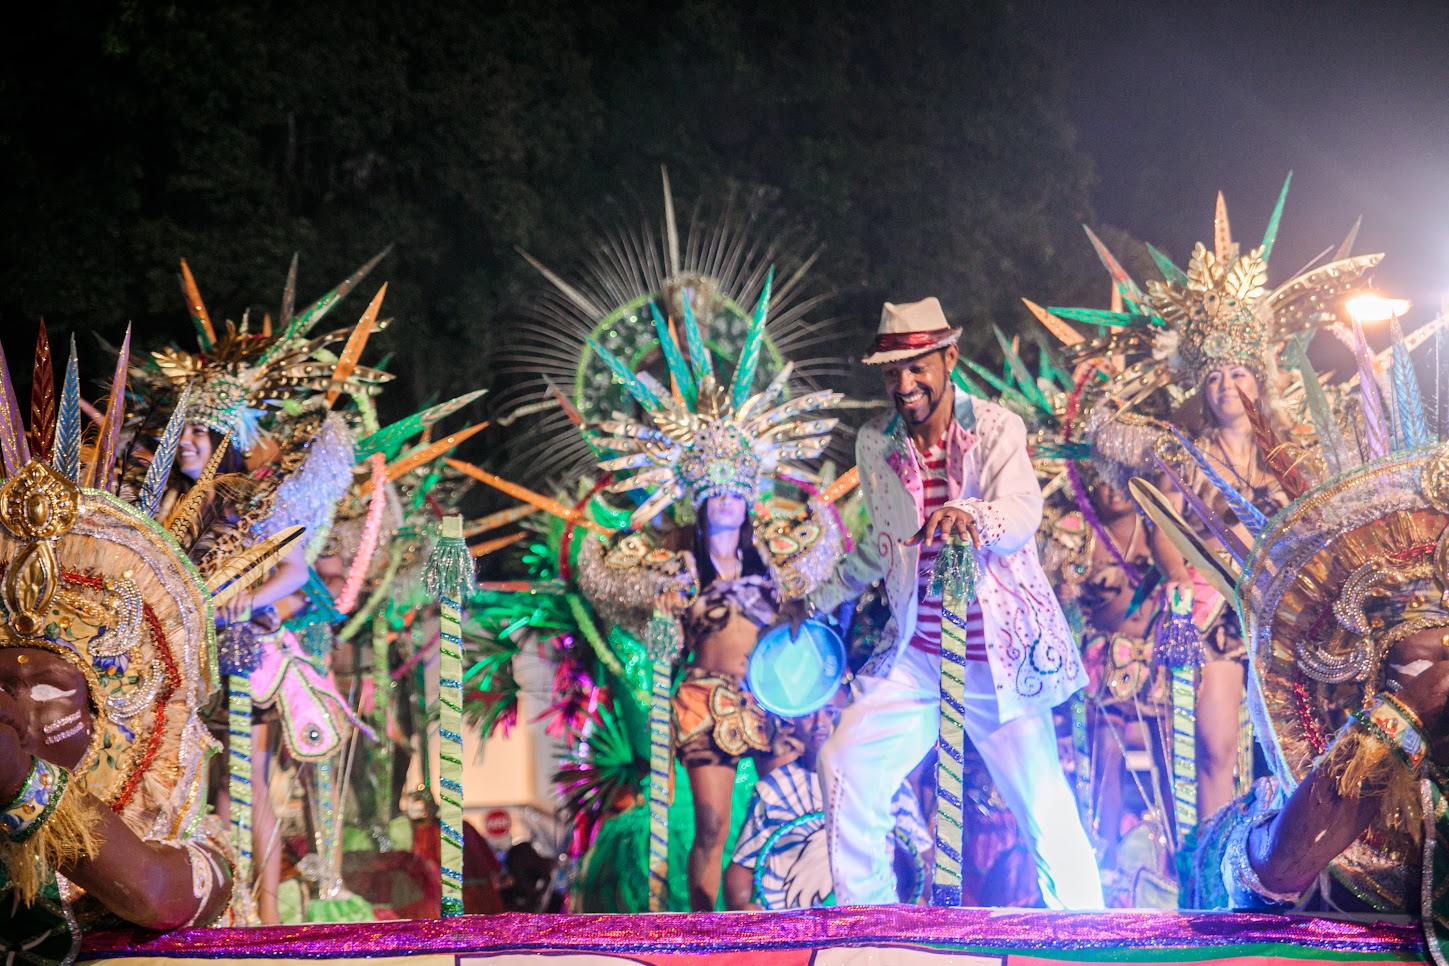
(266, 401)
(713, 441)
(1215, 331)
(1342, 603)
(718, 447)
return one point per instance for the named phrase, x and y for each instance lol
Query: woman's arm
(289, 576)
(1172, 564)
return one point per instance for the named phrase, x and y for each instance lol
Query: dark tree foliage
(919, 142)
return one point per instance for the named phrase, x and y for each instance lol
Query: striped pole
(954, 576)
(450, 726)
(239, 784)
(326, 831)
(950, 763)
(662, 640)
(1184, 751)
(383, 690)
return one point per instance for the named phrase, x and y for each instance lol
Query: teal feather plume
(754, 339)
(1104, 317)
(641, 393)
(68, 422)
(699, 357)
(1026, 384)
(1408, 402)
(1169, 270)
(673, 357)
(1270, 235)
(991, 378)
(389, 439)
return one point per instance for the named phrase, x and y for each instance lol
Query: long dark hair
(751, 563)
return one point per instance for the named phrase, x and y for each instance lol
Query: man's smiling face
(918, 385)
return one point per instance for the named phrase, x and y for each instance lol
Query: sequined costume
(105, 583)
(1352, 567)
(275, 395)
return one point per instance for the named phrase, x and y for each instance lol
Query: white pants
(884, 733)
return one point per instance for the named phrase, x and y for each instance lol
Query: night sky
(1174, 101)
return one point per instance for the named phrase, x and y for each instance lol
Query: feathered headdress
(235, 376)
(1219, 312)
(715, 269)
(702, 438)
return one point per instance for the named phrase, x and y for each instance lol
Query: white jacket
(1034, 660)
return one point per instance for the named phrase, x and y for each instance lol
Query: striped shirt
(936, 485)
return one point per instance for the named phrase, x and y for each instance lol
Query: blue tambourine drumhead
(796, 678)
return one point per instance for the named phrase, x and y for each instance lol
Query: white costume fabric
(1032, 665)
(797, 868)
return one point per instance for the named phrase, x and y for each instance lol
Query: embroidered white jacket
(1034, 660)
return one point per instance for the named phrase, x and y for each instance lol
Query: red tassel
(41, 434)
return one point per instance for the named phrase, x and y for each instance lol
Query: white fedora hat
(910, 330)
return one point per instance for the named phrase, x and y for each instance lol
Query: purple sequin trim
(811, 928)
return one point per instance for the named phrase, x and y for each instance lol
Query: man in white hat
(945, 465)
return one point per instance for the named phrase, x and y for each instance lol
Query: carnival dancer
(1097, 554)
(107, 656)
(1214, 331)
(945, 465)
(1342, 597)
(721, 447)
(296, 466)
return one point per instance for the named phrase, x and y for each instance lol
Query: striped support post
(1082, 753)
(326, 831)
(662, 640)
(955, 577)
(950, 781)
(450, 722)
(383, 689)
(1245, 750)
(239, 784)
(1184, 750)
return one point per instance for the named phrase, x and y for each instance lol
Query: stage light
(1373, 307)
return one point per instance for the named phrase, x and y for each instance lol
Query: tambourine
(793, 678)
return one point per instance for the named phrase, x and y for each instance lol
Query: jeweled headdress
(234, 377)
(707, 439)
(1219, 312)
(716, 266)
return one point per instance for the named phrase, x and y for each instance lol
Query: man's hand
(795, 612)
(945, 523)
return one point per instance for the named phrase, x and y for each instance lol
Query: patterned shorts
(716, 722)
